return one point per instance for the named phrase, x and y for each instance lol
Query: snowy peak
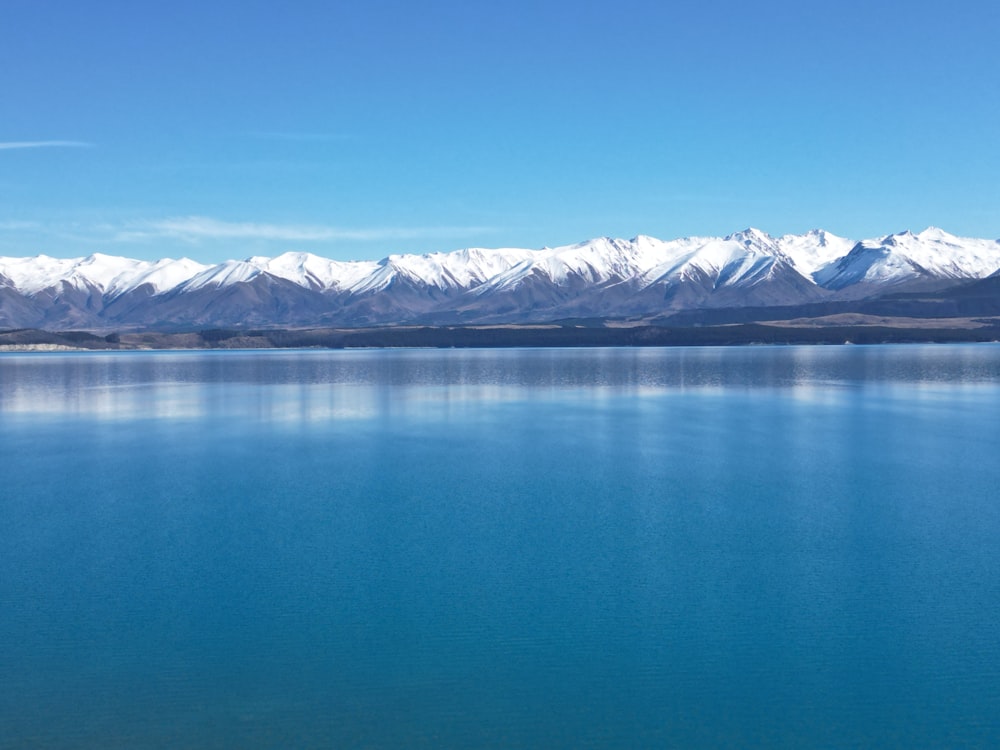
(905, 256)
(161, 276)
(106, 274)
(751, 238)
(739, 258)
(813, 250)
(224, 274)
(457, 269)
(936, 234)
(596, 263)
(312, 271)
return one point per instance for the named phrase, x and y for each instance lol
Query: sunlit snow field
(742, 547)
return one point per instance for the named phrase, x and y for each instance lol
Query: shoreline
(611, 334)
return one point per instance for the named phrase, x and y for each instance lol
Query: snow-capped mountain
(106, 274)
(813, 250)
(931, 256)
(602, 277)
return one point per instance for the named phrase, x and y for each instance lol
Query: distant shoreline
(551, 335)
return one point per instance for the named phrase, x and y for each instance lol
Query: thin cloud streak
(63, 239)
(9, 145)
(196, 228)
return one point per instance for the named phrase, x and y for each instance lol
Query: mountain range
(641, 278)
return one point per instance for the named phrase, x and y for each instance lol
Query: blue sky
(353, 130)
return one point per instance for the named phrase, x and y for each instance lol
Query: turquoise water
(749, 547)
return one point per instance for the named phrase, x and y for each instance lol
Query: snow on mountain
(595, 262)
(460, 269)
(31, 275)
(106, 273)
(224, 274)
(905, 256)
(728, 261)
(313, 272)
(813, 250)
(162, 276)
(946, 255)
(599, 277)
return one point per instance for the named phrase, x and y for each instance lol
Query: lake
(707, 547)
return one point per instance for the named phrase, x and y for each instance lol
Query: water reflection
(305, 386)
(773, 547)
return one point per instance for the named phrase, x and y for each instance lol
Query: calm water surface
(748, 547)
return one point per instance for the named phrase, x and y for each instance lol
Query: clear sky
(353, 130)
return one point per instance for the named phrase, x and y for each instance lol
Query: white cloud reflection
(320, 387)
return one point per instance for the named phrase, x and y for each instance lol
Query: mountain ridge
(603, 277)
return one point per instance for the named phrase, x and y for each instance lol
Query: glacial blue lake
(780, 547)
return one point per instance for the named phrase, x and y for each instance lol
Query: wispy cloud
(197, 228)
(206, 233)
(8, 145)
(203, 227)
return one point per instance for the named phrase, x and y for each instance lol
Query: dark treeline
(509, 336)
